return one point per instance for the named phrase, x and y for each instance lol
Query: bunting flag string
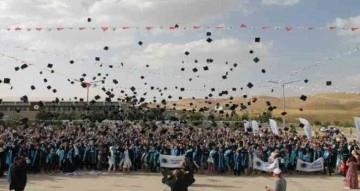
(176, 27)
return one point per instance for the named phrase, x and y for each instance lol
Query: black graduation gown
(18, 177)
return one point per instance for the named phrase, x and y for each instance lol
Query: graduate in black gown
(18, 176)
(176, 180)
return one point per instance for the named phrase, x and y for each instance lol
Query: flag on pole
(273, 126)
(307, 127)
(357, 126)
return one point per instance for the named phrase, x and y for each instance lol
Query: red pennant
(354, 29)
(310, 28)
(264, 28)
(104, 29)
(124, 28)
(196, 27)
(288, 28)
(172, 28)
(82, 28)
(38, 29)
(59, 29)
(332, 28)
(18, 29)
(149, 28)
(219, 27)
(243, 26)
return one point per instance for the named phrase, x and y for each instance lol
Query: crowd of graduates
(80, 147)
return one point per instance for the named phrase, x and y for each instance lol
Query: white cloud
(280, 2)
(348, 23)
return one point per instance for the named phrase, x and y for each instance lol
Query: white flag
(255, 126)
(264, 166)
(246, 125)
(317, 165)
(357, 126)
(274, 127)
(307, 127)
(168, 161)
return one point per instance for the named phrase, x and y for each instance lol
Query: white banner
(255, 126)
(264, 166)
(317, 165)
(168, 161)
(273, 126)
(357, 126)
(307, 127)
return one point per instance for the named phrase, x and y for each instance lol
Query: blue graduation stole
(9, 157)
(35, 156)
(174, 152)
(237, 161)
(220, 161)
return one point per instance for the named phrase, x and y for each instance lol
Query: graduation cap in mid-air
(263, 71)
(250, 85)
(194, 70)
(140, 43)
(306, 80)
(256, 60)
(50, 65)
(257, 39)
(328, 83)
(283, 113)
(23, 66)
(303, 97)
(251, 51)
(187, 53)
(208, 33)
(106, 48)
(209, 40)
(89, 19)
(206, 68)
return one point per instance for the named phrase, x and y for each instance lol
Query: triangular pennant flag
(59, 29)
(219, 27)
(18, 29)
(310, 28)
(172, 27)
(243, 26)
(104, 29)
(149, 28)
(264, 28)
(288, 28)
(124, 28)
(354, 29)
(196, 27)
(82, 28)
(332, 28)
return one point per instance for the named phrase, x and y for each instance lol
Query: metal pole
(284, 122)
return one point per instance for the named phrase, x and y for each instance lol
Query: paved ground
(152, 182)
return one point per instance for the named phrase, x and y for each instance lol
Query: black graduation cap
(45, 80)
(208, 33)
(242, 106)
(283, 113)
(106, 48)
(88, 19)
(251, 51)
(84, 85)
(233, 89)
(270, 108)
(71, 61)
(92, 102)
(301, 109)
(41, 72)
(187, 53)
(301, 125)
(142, 77)
(140, 43)
(209, 40)
(268, 103)
(194, 70)
(303, 97)
(250, 85)
(224, 77)
(245, 96)
(23, 66)
(257, 39)
(97, 58)
(256, 60)
(6, 80)
(306, 80)
(32, 87)
(17, 68)
(97, 97)
(48, 87)
(108, 99)
(206, 68)
(147, 65)
(286, 129)
(182, 89)
(212, 89)
(110, 66)
(115, 81)
(182, 69)
(328, 83)
(52, 71)
(24, 99)
(263, 71)
(49, 65)
(235, 64)
(54, 90)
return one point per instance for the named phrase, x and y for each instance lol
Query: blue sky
(280, 52)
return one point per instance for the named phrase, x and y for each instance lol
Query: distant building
(30, 109)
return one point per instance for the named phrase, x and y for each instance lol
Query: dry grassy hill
(322, 107)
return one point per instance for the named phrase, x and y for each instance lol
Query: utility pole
(283, 86)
